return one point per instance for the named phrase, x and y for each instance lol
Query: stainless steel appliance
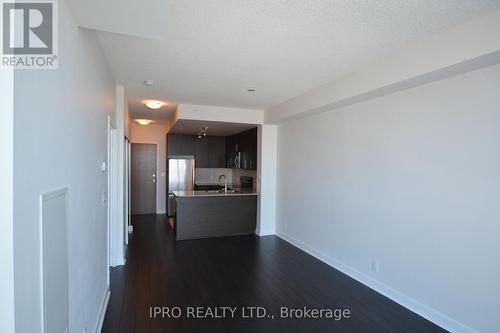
(240, 160)
(246, 182)
(234, 161)
(180, 178)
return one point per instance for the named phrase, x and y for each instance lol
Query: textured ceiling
(213, 51)
(115, 16)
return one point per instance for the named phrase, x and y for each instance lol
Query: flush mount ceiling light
(154, 105)
(251, 89)
(148, 83)
(144, 122)
(202, 132)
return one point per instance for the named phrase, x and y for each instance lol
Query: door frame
(127, 215)
(112, 194)
(157, 145)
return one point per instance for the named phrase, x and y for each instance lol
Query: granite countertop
(184, 194)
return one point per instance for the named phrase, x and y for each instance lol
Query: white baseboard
(265, 232)
(102, 312)
(398, 297)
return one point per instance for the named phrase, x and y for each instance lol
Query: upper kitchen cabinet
(216, 152)
(244, 143)
(188, 145)
(178, 144)
(231, 145)
(209, 152)
(201, 152)
(174, 144)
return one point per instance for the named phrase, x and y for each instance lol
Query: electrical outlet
(374, 266)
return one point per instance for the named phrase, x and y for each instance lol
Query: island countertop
(229, 193)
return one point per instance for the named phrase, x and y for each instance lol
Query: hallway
(238, 272)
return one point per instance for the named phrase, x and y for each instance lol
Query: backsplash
(211, 175)
(237, 173)
(204, 176)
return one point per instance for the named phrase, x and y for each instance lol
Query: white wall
(266, 179)
(7, 321)
(60, 137)
(157, 134)
(118, 226)
(410, 180)
(128, 122)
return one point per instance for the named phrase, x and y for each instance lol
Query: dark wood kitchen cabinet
(249, 146)
(201, 152)
(174, 144)
(188, 145)
(231, 146)
(209, 152)
(245, 143)
(216, 152)
(180, 144)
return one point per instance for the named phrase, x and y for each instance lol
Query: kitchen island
(203, 214)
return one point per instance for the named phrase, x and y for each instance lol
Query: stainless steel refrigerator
(180, 178)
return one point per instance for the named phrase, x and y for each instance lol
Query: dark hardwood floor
(239, 271)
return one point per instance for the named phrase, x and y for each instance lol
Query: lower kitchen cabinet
(215, 216)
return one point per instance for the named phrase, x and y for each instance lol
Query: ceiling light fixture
(154, 105)
(251, 89)
(149, 83)
(144, 122)
(202, 132)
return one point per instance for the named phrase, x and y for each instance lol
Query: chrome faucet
(225, 182)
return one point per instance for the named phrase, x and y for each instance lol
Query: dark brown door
(143, 182)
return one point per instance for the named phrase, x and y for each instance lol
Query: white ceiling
(139, 111)
(213, 51)
(183, 126)
(114, 16)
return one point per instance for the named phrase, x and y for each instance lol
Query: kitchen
(212, 179)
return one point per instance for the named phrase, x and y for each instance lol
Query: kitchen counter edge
(195, 194)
